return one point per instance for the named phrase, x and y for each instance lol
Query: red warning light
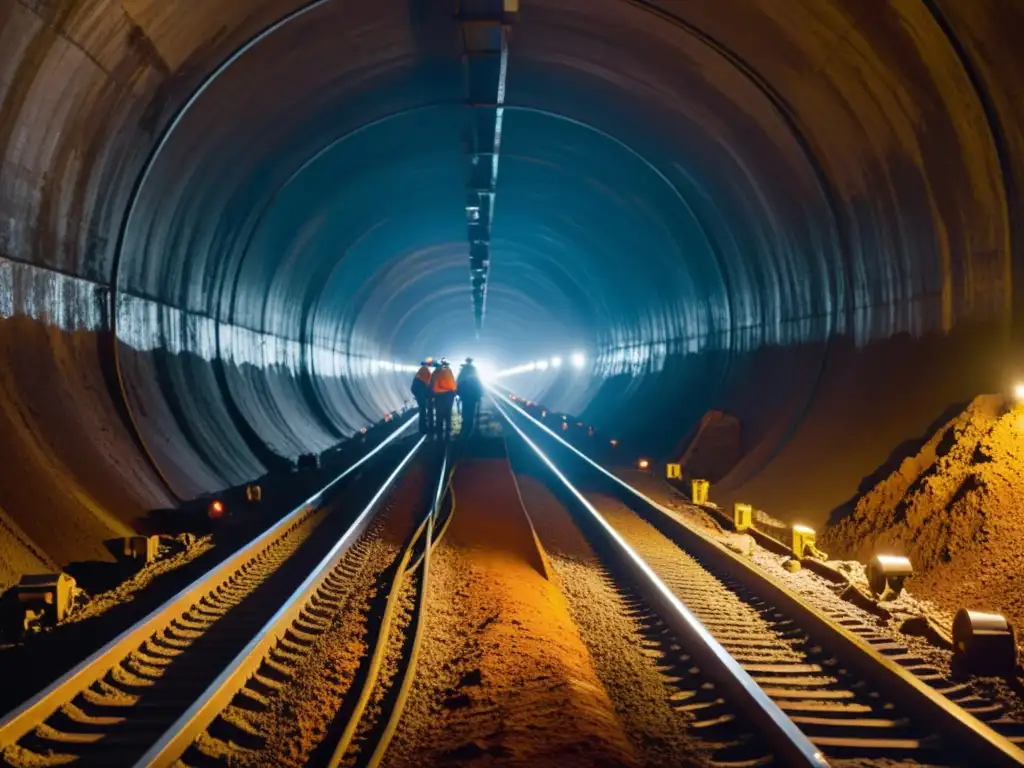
(216, 509)
(565, 426)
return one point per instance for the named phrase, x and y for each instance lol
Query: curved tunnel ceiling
(700, 198)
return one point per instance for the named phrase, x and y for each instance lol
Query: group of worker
(435, 388)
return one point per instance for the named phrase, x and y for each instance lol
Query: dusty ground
(955, 509)
(632, 669)
(504, 677)
(905, 612)
(286, 724)
(177, 551)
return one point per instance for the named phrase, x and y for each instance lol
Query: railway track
(141, 698)
(361, 727)
(366, 735)
(815, 689)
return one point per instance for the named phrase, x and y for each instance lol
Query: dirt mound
(955, 509)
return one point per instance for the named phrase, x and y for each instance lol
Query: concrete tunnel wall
(754, 210)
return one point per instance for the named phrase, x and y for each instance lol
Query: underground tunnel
(230, 231)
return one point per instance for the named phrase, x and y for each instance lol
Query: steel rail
(184, 731)
(405, 687)
(32, 713)
(408, 564)
(903, 687)
(788, 741)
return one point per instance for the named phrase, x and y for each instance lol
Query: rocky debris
(770, 525)
(740, 543)
(175, 552)
(715, 448)
(922, 626)
(955, 509)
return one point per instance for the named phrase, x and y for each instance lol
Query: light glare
(577, 359)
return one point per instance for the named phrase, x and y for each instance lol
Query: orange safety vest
(442, 381)
(423, 374)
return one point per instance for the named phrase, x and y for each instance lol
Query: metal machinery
(985, 642)
(485, 26)
(44, 599)
(886, 574)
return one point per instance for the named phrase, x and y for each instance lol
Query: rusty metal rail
(705, 573)
(365, 738)
(789, 743)
(114, 675)
(298, 613)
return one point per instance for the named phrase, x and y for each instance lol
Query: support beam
(485, 27)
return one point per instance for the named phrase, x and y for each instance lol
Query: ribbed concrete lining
(702, 199)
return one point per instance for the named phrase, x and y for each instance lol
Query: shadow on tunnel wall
(213, 423)
(72, 474)
(818, 420)
(72, 469)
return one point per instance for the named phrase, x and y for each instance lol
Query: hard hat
(469, 361)
(444, 361)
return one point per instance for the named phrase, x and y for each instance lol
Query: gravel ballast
(504, 676)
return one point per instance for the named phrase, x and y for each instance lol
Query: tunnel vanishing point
(223, 223)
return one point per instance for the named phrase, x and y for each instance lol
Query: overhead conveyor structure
(485, 27)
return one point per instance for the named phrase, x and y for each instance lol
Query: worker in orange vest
(442, 385)
(421, 391)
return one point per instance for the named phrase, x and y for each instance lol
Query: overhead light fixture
(578, 359)
(644, 464)
(556, 362)
(1018, 393)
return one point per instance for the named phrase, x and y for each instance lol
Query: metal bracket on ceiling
(484, 27)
